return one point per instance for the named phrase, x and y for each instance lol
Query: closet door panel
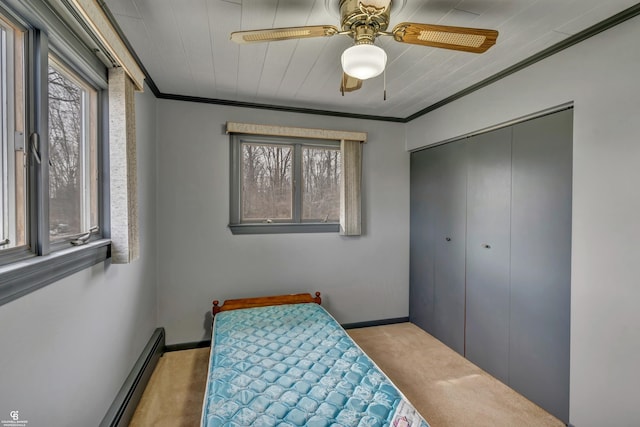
(423, 195)
(488, 251)
(541, 261)
(450, 246)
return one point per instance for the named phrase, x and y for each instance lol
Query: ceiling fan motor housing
(364, 18)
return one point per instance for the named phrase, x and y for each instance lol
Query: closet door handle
(486, 246)
(448, 239)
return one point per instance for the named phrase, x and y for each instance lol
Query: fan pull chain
(384, 83)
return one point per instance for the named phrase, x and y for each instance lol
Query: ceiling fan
(365, 20)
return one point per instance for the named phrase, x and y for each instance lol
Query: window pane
(266, 182)
(72, 154)
(12, 190)
(321, 184)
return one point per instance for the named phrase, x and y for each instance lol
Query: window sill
(23, 277)
(279, 228)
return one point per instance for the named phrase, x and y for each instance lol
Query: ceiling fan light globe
(364, 61)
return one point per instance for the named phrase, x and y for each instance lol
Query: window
(73, 168)
(321, 184)
(284, 185)
(12, 192)
(52, 122)
(291, 179)
(267, 182)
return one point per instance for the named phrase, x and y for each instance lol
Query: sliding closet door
(541, 261)
(450, 246)
(438, 222)
(424, 188)
(488, 251)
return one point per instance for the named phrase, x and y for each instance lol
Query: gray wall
(66, 349)
(600, 75)
(361, 278)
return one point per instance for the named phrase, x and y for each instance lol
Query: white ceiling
(184, 46)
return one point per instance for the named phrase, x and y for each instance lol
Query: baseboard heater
(124, 405)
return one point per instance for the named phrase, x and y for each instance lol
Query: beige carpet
(174, 395)
(447, 389)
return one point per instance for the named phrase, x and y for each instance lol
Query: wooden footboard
(234, 304)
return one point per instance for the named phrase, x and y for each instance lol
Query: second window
(285, 181)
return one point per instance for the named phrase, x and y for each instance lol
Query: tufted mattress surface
(294, 365)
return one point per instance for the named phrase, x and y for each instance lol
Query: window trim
(284, 228)
(23, 277)
(297, 224)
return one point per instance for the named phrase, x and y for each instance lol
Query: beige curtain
(122, 165)
(350, 191)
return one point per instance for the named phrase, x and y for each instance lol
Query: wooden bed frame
(235, 304)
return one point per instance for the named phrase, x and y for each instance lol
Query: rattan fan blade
(473, 40)
(288, 33)
(349, 84)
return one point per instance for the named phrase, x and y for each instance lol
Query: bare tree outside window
(284, 185)
(321, 184)
(267, 187)
(65, 142)
(73, 171)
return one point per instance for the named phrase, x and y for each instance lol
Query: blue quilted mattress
(294, 365)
